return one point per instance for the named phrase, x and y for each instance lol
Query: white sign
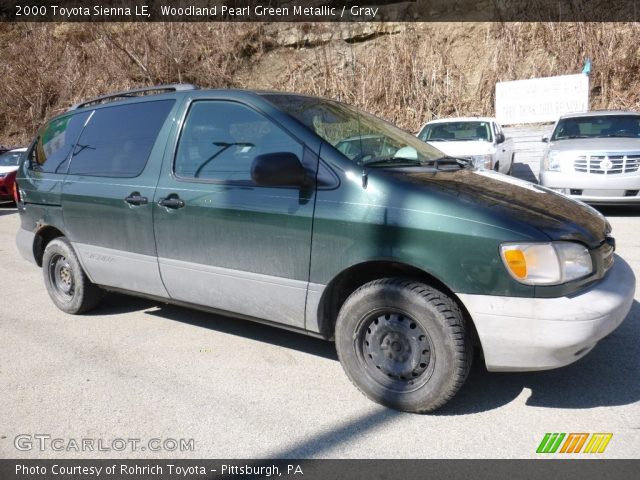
(541, 100)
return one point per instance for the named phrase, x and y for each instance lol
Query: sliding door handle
(136, 199)
(172, 201)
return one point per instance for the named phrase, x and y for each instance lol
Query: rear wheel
(66, 282)
(403, 344)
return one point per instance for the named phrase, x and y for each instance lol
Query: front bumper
(521, 334)
(593, 188)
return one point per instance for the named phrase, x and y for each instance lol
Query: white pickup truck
(479, 139)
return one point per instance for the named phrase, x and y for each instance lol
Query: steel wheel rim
(61, 277)
(396, 350)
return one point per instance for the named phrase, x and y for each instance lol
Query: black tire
(403, 344)
(513, 159)
(496, 167)
(67, 284)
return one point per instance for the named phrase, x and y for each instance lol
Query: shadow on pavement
(523, 171)
(619, 210)
(115, 304)
(607, 376)
(340, 435)
(7, 209)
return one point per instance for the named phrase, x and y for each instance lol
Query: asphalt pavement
(170, 382)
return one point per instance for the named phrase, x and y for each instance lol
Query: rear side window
(52, 148)
(117, 140)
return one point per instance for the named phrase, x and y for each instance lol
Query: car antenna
(365, 174)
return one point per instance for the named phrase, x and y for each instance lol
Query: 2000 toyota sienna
(238, 202)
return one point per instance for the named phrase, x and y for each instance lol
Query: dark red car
(8, 167)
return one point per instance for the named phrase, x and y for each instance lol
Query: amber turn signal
(516, 262)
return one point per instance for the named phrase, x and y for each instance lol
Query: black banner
(577, 469)
(320, 10)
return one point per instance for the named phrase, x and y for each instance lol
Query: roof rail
(137, 92)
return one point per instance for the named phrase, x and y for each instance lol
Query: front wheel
(66, 282)
(403, 344)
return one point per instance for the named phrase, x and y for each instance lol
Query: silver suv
(594, 157)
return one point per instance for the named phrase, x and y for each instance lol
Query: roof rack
(137, 92)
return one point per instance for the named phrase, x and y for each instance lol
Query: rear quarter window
(53, 145)
(118, 140)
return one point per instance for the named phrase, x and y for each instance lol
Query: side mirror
(545, 139)
(281, 169)
(500, 138)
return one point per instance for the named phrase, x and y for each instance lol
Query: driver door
(224, 242)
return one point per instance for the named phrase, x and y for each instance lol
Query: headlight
(552, 161)
(483, 161)
(546, 263)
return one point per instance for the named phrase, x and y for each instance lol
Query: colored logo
(574, 443)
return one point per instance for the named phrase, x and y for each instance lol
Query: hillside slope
(407, 73)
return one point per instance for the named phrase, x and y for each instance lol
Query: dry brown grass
(528, 50)
(48, 67)
(433, 72)
(396, 77)
(425, 71)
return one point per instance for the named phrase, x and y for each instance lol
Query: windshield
(598, 127)
(359, 136)
(456, 132)
(10, 159)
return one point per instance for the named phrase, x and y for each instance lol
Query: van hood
(517, 201)
(465, 148)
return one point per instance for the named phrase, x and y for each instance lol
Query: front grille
(607, 164)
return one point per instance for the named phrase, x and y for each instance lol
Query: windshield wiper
(617, 135)
(401, 161)
(392, 161)
(448, 160)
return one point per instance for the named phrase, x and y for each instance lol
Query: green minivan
(238, 202)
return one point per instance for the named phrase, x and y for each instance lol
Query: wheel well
(43, 237)
(348, 281)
